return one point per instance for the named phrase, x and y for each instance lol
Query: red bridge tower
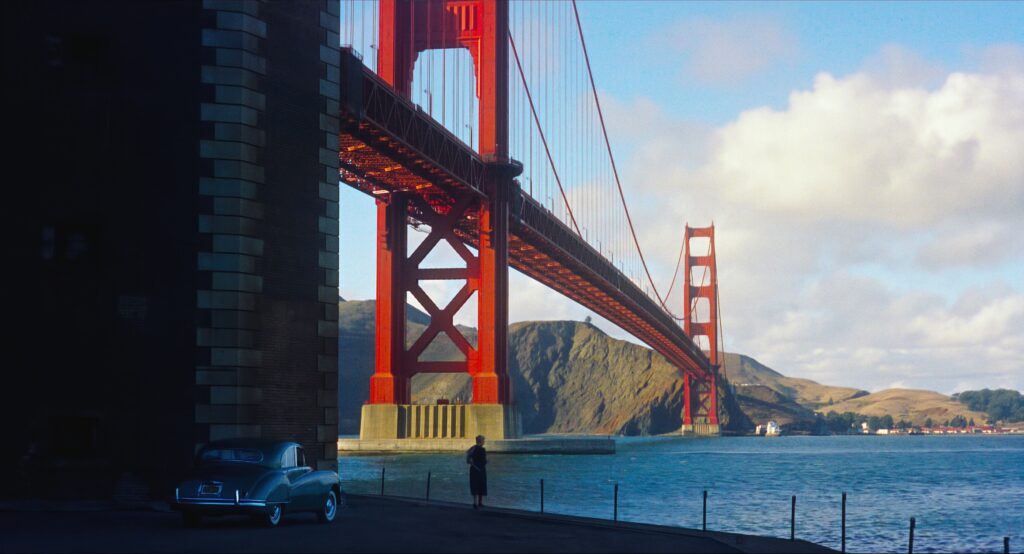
(700, 319)
(408, 27)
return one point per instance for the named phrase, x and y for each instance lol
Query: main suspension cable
(615, 170)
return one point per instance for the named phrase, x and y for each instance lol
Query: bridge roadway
(387, 144)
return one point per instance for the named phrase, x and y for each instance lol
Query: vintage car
(261, 478)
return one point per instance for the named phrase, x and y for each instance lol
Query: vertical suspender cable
(444, 66)
(611, 158)
(547, 150)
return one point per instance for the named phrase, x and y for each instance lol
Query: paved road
(366, 524)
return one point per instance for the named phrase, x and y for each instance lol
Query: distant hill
(915, 406)
(761, 404)
(746, 370)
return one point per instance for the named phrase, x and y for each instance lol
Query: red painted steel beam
(388, 385)
(375, 156)
(693, 324)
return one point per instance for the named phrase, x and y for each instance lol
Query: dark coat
(476, 457)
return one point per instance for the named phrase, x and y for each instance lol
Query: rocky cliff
(568, 377)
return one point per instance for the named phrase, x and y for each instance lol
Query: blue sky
(863, 165)
(828, 36)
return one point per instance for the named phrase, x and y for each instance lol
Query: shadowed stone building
(172, 190)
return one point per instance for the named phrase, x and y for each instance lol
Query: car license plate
(209, 488)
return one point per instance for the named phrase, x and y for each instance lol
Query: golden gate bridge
(481, 121)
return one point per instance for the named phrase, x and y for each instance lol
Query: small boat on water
(772, 429)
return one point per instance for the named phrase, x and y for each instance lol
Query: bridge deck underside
(389, 145)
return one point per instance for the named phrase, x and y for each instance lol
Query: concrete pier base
(702, 430)
(453, 428)
(439, 421)
(543, 445)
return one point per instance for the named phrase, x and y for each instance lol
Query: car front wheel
(329, 510)
(272, 517)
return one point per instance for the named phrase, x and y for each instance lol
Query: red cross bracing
(420, 171)
(406, 29)
(700, 322)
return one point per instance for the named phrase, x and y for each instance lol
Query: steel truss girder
(380, 131)
(383, 133)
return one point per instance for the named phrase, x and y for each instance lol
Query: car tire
(191, 519)
(329, 509)
(272, 517)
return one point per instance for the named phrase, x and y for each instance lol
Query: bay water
(966, 492)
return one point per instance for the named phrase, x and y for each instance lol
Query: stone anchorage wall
(268, 360)
(176, 237)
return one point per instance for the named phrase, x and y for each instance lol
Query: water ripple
(964, 491)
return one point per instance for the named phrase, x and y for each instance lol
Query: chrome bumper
(220, 502)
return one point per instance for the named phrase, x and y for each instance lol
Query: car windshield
(243, 455)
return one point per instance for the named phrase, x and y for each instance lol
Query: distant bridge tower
(407, 28)
(700, 322)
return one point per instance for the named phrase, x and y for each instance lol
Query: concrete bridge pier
(701, 430)
(439, 421)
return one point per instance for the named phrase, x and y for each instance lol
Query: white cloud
(530, 301)
(855, 331)
(896, 66)
(834, 213)
(730, 51)
(852, 150)
(1003, 58)
(972, 245)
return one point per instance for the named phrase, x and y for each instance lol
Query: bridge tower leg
(408, 27)
(700, 319)
(389, 385)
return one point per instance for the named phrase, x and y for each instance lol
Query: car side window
(300, 457)
(289, 457)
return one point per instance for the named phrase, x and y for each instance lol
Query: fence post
(428, 485)
(792, 520)
(843, 548)
(704, 519)
(1006, 545)
(382, 468)
(542, 496)
(615, 513)
(910, 546)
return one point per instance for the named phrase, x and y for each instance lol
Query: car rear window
(244, 455)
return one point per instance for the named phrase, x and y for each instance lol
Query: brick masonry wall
(177, 264)
(327, 227)
(298, 312)
(231, 223)
(268, 333)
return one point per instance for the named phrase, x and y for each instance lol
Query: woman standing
(476, 457)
